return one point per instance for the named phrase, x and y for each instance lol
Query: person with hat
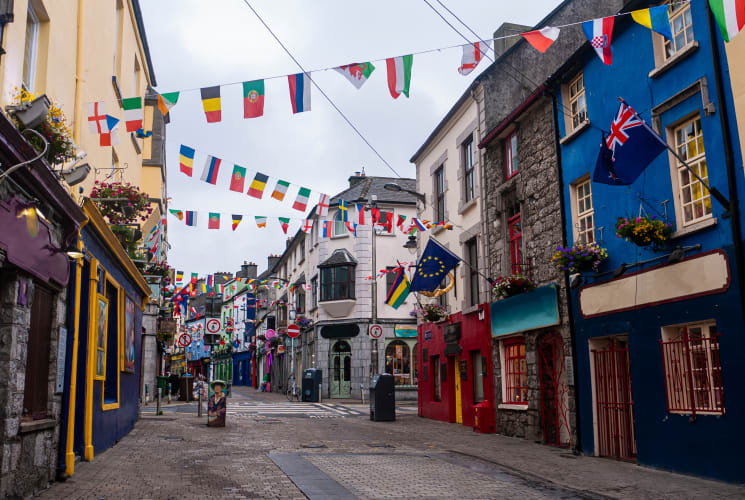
(216, 406)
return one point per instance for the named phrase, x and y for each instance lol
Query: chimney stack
(272, 261)
(507, 29)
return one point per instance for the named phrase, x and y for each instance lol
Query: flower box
(582, 257)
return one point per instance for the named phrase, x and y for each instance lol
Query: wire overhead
(333, 104)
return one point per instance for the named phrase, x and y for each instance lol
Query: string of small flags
(728, 13)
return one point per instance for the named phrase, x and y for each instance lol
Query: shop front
(455, 367)
(401, 354)
(243, 368)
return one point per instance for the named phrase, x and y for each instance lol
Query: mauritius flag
(238, 178)
(253, 99)
(299, 92)
(399, 290)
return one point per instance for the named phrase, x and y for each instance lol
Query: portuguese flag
(253, 99)
(238, 178)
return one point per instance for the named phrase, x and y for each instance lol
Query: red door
(554, 391)
(613, 403)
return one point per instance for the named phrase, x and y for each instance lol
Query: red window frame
(511, 167)
(515, 372)
(516, 242)
(693, 374)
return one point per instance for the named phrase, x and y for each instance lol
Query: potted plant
(507, 286)
(581, 257)
(430, 312)
(121, 203)
(49, 120)
(644, 231)
(304, 322)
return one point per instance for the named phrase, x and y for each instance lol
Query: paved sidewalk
(176, 456)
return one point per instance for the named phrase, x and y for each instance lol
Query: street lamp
(411, 244)
(392, 186)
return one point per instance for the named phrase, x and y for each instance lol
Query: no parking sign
(376, 331)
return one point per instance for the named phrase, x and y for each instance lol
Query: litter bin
(483, 420)
(186, 388)
(162, 385)
(383, 398)
(312, 379)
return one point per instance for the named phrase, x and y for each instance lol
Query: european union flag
(434, 264)
(628, 149)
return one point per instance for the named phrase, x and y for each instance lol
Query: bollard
(146, 394)
(320, 394)
(169, 393)
(199, 411)
(157, 411)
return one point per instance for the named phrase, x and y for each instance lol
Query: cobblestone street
(348, 456)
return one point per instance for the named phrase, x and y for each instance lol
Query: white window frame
(33, 49)
(679, 172)
(511, 151)
(503, 370)
(581, 192)
(678, 12)
(577, 98)
(469, 169)
(338, 228)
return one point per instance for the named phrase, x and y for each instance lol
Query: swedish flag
(434, 264)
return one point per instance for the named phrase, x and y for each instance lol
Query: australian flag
(627, 150)
(434, 264)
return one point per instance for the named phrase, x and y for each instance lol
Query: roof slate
(339, 257)
(368, 186)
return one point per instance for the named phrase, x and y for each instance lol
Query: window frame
(406, 375)
(472, 254)
(581, 234)
(509, 357)
(700, 164)
(438, 207)
(350, 283)
(675, 13)
(469, 169)
(436, 378)
(511, 163)
(681, 363)
(32, 40)
(571, 99)
(314, 292)
(516, 243)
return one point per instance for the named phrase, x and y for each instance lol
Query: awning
(527, 311)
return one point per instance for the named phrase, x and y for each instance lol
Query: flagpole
(714, 191)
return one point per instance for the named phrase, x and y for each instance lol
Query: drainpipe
(78, 113)
(729, 157)
(570, 314)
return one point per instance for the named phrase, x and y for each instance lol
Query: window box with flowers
(121, 203)
(430, 313)
(54, 129)
(644, 231)
(507, 286)
(582, 257)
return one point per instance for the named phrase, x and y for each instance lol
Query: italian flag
(730, 16)
(132, 113)
(399, 75)
(301, 202)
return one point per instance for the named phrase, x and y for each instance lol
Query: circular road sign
(376, 331)
(213, 325)
(270, 333)
(184, 340)
(293, 331)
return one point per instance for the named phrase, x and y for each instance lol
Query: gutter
(143, 38)
(512, 116)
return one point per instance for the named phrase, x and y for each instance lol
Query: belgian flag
(211, 103)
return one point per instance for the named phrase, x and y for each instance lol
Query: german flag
(211, 103)
(256, 189)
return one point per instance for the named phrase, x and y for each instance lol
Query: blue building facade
(659, 335)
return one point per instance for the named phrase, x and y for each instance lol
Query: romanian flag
(236, 220)
(399, 291)
(284, 222)
(186, 159)
(280, 190)
(253, 99)
(211, 103)
(260, 221)
(177, 213)
(167, 101)
(654, 18)
(214, 222)
(191, 218)
(256, 189)
(211, 168)
(179, 276)
(238, 178)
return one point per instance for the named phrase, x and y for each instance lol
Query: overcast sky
(197, 43)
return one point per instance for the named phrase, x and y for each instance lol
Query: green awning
(527, 311)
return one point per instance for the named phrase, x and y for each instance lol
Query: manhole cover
(313, 445)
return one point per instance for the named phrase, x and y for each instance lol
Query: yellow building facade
(82, 51)
(736, 61)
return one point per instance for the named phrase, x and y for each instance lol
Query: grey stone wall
(535, 192)
(28, 450)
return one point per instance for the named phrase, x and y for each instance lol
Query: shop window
(398, 362)
(692, 369)
(477, 376)
(337, 283)
(510, 155)
(36, 384)
(515, 372)
(436, 382)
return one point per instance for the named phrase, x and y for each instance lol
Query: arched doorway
(340, 385)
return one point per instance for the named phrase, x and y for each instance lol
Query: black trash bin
(383, 398)
(186, 388)
(312, 379)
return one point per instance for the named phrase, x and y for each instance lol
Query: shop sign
(404, 331)
(427, 334)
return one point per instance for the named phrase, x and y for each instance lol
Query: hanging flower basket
(507, 286)
(54, 129)
(430, 313)
(582, 257)
(644, 231)
(121, 203)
